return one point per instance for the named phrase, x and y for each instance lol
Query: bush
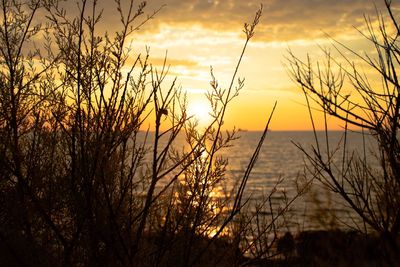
(370, 189)
(79, 184)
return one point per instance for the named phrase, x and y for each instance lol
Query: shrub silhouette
(370, 189)
(79, 180)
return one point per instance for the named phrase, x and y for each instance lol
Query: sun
(200, 110)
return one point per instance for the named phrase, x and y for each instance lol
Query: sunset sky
(201, 33)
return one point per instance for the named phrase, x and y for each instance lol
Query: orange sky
(201, 33)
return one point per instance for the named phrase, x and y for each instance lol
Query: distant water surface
(280, 158)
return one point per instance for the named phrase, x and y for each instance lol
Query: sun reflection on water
(201, 194)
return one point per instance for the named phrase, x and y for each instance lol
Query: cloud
(282, 20)
(158, 61)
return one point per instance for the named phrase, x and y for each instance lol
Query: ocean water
(281, 160)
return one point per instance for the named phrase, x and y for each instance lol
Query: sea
(283, 167)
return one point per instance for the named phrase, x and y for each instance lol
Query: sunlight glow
(200, 111)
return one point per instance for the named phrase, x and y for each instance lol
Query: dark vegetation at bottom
(308, 248)
(332, 248)
(153, 252)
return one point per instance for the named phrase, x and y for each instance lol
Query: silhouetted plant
(80, 183)
(370, 189)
